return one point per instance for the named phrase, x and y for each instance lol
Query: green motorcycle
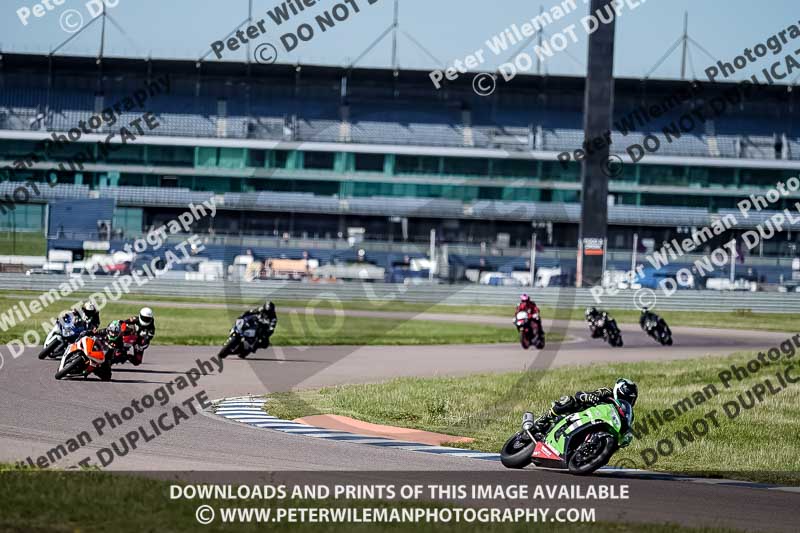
(581, 442)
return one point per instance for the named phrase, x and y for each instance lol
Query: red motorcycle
(530, 331)
(136, 342)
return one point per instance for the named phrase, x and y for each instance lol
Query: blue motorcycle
(66, 330)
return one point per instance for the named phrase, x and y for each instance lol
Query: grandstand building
(312, 151)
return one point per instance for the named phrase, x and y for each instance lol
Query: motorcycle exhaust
(527, 421)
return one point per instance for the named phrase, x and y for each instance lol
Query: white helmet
(146, 316)
(89, 310)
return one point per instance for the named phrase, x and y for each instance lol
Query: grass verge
(760, 444)
(704, 319)
(197, 326)
(89, 502)
(22, 243)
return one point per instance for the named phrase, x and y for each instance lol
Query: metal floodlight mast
(683, 42)
(597, 106)
(103, 17)
(394, 29)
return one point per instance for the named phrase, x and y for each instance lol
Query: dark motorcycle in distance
(530, 332)
(656, 327)
(243, 339)
(602, 325)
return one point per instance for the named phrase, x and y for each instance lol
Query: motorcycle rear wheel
(104, 373)
(515, 453)
(70, 367)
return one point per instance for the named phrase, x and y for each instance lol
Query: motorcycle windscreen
(74, 346)
(626, 411)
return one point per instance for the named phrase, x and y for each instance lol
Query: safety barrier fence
(694, 300)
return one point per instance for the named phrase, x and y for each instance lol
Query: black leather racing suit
(92, 320)
(266, 321)
(567, 405)
(592, 319)
(650, 317)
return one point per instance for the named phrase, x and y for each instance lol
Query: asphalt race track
(39, 413)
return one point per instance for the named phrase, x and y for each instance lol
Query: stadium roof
(110, 66)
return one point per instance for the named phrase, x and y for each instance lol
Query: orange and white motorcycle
(83, 357)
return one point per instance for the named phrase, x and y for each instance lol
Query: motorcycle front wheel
(227, 348)
(517, 452)
(592, 453)
(70, 367)
(524, 341)
(48, 350)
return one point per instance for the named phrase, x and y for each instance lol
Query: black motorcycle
(243, 339)
(657, 328)
(602, 325)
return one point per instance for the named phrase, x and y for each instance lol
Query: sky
(449, 29)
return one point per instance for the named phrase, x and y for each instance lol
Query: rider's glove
(588, 397)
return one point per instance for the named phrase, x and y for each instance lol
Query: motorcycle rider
(592, 315)
(266, 320)
(624, 389)
(110, 339)
(656, 327)
(144, 324)
(648, 320)
(526, 304)
(91, 316)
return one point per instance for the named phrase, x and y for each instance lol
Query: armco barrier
(768, 302)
